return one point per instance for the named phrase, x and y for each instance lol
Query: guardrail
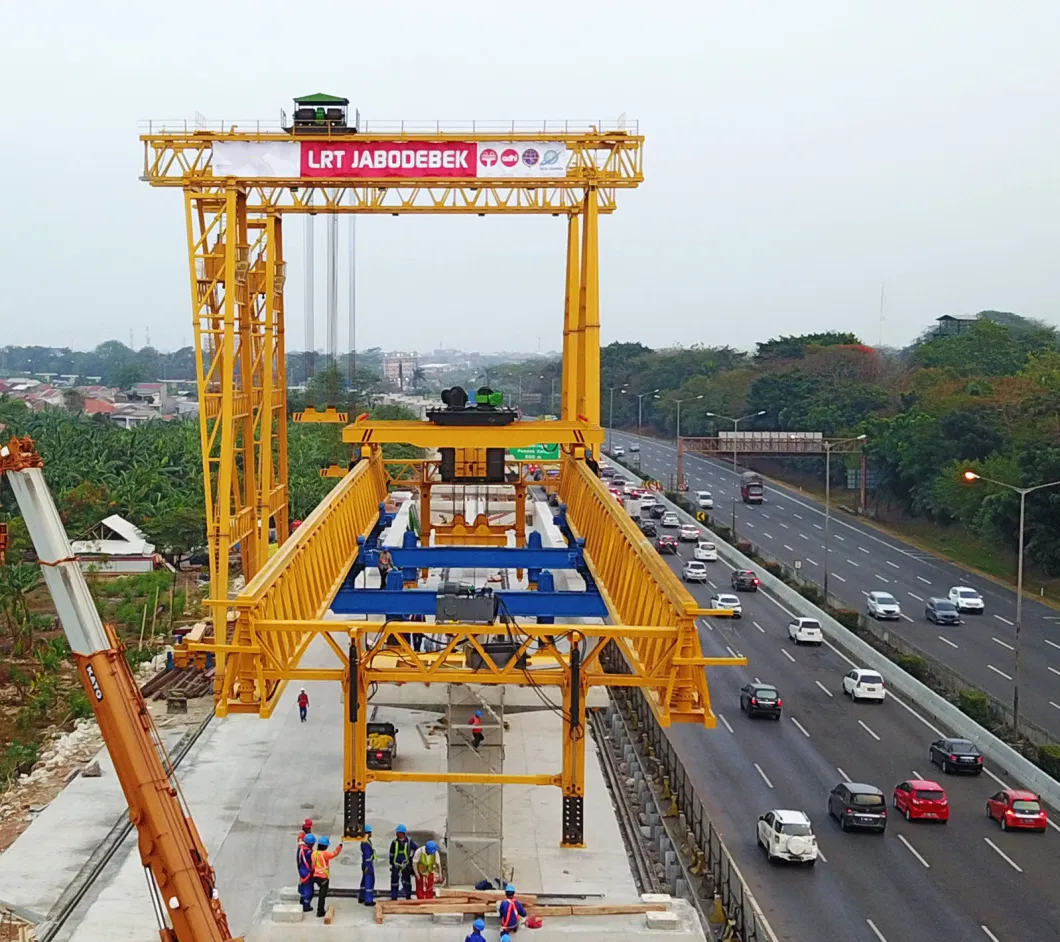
(995, 750)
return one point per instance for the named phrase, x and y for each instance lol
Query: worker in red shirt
(476, 729)
(303, 704)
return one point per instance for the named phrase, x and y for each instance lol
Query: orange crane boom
(183, 888)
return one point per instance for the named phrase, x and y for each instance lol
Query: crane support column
(573, 776)
(571, 335)
(355, 746)
(589, 313)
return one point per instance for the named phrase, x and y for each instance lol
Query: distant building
(115, 547)
(951, 325)
(398, 368)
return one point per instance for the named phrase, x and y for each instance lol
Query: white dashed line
(889, 563)
(878, 576)
(914, 851)
(765, 778)
(947, 641)
(1003, 644)
(866, 594)
(916, 774)
(819, 527)
(861, 723)
(862, 548)
(749, 524)
(788, 656)
(996, 671)
(915, 596)
(907, 618)
(990, 935)
(766, 516)
(797, 516)
(725, 723)
(846, 778)
(768, 536)
(1054, 704)
(802, 729)
(803, 536)
(1053, 643)
(925, 581)
(842, 539)
(812, 561)
(1005, 857)
(835, 575)
(829, 692)
(879, 935)
(759, 627)
(1054, 670)
(784, 525)
(854, 564)
(731, 651)
(1005, 620)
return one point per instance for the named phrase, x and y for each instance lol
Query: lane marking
(889, 563)
(759, 627)
(788, 656)
(797, 516)
(829, 692)
(947, 641)
(802, 729)
(765, 778)
(748, 523)
(758, 680)
(861, 723)
(835, 575)
(1005, 620)
(1005, 857)
(862, 548)
(803, 536)
(814, 561)
(925, 581)
(990, 935)
(906, 617)
(916, 774)
(879, 935)
(768, 536)
(1003, 644)
(1053, 643)
(725, 723)
(790, 549)
(766, 516)
(996, 671)
(854, 564)
(838, 537)
(1054, 670)
(784, 525)
(846, 778)
(1053, 703)
(822, 856)
(878, 576)
(731, 651)
(819, 527)
(915, 596)
(866, 594)
(914, 851)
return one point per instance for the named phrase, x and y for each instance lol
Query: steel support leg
(571, 334)
(573, 776)
(355, 746)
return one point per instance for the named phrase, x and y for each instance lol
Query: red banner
(379, 159)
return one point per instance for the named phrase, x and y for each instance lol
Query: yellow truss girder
(427, 435)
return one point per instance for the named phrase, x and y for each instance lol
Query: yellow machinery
(238, 184)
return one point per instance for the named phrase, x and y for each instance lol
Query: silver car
(694, 571)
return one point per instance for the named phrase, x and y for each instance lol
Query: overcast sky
(798, 155)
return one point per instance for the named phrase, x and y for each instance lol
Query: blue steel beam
(396, 602)
(478, 557)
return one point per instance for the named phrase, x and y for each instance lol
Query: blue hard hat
(505, 937)
(309, 839)
(478, 713)
(323, 842)
(401, 829)
(431, 847)
(509, 889)
(367, 829)
(478, 924)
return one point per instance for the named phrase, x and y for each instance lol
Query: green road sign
(536, 453)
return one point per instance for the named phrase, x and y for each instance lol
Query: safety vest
(427, 863)
(401, 852)
(322, 862)
(510, 916)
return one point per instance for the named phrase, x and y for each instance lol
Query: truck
(751, 490)
(382, 745)
(632, 505)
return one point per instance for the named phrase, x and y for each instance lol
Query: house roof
(99, 407)
(130, 541)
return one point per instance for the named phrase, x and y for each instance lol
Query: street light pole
(678, 437)
(1023, 492)
(828, 446)
(640, 412)
(735, 445)
(611, 413)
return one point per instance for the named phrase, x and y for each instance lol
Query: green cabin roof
(321, 99)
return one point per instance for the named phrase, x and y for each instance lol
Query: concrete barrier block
(654, 899)
(447, 919)
(287, 912)
(667, 921)
(289, 894)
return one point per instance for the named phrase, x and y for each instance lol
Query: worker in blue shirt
(478, 926)
(366, 893)
(511, 911)
(401, 850)
(306, 846)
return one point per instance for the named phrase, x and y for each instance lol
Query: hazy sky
(798, 154)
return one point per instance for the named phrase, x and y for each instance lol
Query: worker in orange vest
(322, 858)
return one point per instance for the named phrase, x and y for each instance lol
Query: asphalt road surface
(790, 526)
(963, 880)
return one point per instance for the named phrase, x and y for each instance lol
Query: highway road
(790, 526)
(920, 881)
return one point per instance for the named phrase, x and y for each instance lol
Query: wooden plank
(486, 896)
(629, 909)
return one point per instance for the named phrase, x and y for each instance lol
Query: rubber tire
(1004, 826)
(946, 766)
(894, 801)
(812, 861)
(843, 826)
(908, 816)
(776, 716)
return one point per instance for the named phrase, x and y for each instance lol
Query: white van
(705, 500)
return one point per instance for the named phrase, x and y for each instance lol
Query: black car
(647, 527)
(666, 544)
(956, 755)
(744, 580)
(656, 511)
(760, 700)
(942, 612)
(856, 805)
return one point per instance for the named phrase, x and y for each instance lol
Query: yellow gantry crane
(238, 181)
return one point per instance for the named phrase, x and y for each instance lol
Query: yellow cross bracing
(237, 277)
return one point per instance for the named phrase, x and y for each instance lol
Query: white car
(862, 684)
(883, 605)
(726, 601)
(707, 552)
(629, 488)
(634, 447)
(669, 519)
(805, 631)
(694, 571)
(705, 500)
(967, 600)
(618, 452)
(647, 501)
(688, 533)
(787, 835)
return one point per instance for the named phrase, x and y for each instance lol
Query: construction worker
(427, 865)
(511, 911)
(385, 564)
(303, 704)
(366, 894)
(307, 826)
(476, 729)
(305, 871)
(477, 927)
(401, 851)
(322, 858)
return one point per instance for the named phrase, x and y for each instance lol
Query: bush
(773, 568)
(17, 759)
(80, 708)
(916, 666)
(847, 618)
(746, 547)
(977, 705)
(811, 593)
(1049, 760)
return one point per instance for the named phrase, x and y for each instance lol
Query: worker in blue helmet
(476, 729)
(366, 893)
(477, 928)
(427, 866)
(401, 850)
(511, 911)
(322, 858)
(306, 846)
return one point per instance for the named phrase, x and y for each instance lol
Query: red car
(666, 544)
(921, 799)
(1015, 808)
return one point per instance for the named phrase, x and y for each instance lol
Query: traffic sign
(701, 516)
(539, 452)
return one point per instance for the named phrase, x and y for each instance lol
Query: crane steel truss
(234, 204)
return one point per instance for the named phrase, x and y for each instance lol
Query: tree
(73, 400)
(794, 348)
